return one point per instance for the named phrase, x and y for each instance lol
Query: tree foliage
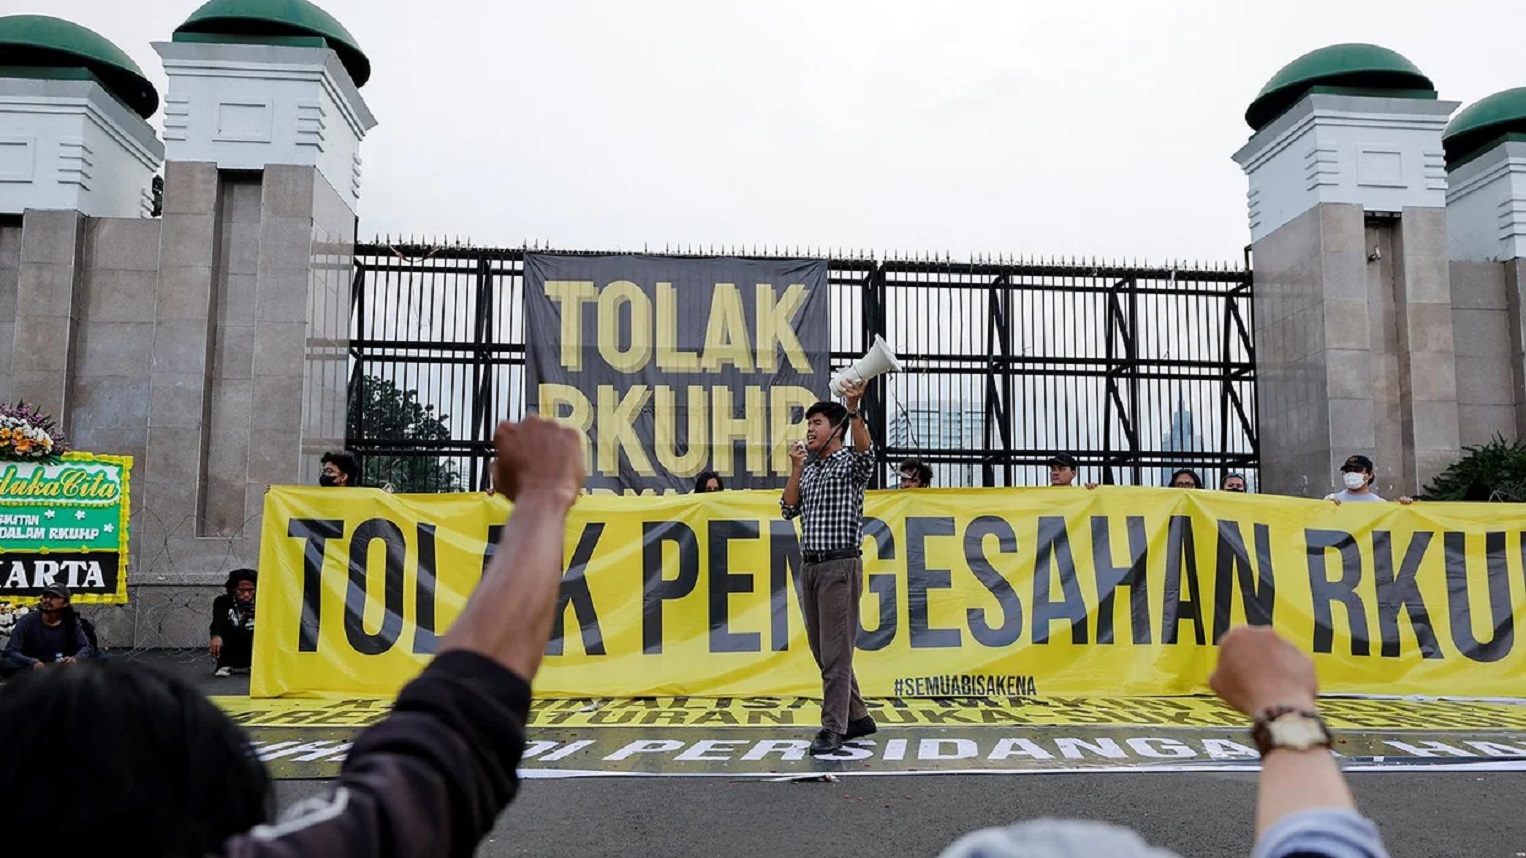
(1495, 471)
(384, 413)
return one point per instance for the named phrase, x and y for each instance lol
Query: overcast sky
(959, 126)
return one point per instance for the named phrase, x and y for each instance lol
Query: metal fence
(1133, 370)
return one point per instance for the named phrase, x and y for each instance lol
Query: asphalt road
(1209, 814)
(1422, 814)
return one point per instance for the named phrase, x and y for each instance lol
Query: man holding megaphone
(826, 492)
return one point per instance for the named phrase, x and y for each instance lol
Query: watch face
(1296, 732)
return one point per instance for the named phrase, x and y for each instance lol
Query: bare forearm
(1293, 781)
(509, 617)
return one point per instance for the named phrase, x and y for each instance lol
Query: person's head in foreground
(708, 481)
(1186, 478)
(1062, 470)
(1233, 483)
(113, 755)
(916, 474)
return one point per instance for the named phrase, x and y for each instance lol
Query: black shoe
(860, 727)
(826, 742)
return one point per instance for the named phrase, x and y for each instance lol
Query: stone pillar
(1486, 219)
(10, 272)
(1515, 298)
(1353, 296)
(247, 371)
(284, 103)
(47, 313)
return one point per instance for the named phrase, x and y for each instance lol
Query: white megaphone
(877, 361)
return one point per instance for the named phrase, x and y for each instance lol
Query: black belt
(825, 556)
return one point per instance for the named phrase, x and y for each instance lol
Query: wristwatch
(852, 414)
(1288, 727)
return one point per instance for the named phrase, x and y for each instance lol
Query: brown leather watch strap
(1261, 727)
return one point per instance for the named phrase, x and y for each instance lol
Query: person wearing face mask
(340, 470)
(1233, 483)
(1357, 475)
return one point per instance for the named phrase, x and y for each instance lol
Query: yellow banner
(1341, 713)
(968, 592)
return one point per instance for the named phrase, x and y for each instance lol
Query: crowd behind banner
(1118, 591)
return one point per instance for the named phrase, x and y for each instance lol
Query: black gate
(1133, 370)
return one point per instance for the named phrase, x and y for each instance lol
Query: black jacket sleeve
(429, 780)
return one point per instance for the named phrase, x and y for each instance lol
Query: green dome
(52, 45)
(1354, 66)
(1484, 122)
(279, 18)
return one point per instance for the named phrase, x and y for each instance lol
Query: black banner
(26, 573)
(674, 366)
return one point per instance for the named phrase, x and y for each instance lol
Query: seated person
(54, 634)
(233, 623)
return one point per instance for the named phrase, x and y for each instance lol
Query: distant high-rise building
(941, 426)
(1180, 438)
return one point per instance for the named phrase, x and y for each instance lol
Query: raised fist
(538, 457)
(1258, 669)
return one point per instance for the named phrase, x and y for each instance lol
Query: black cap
(1063, 460)
(58, 590)
(1357, 463)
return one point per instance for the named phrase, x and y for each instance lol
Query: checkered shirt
(831, 508)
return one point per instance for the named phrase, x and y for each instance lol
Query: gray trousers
(832, 590)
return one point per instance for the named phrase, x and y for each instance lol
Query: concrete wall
(1371, 340)
(1425, 350)
(1487, 392)
(1515, 321)
(10, 273)
(209, 345)
(1293, 391)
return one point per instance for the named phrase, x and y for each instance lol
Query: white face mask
(1354, 480)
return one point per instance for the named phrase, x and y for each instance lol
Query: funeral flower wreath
(28, 435)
